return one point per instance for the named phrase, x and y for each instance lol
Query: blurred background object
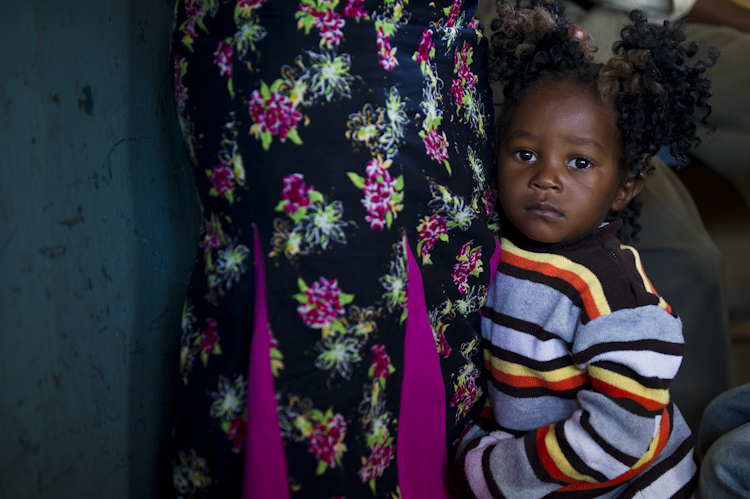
(98, 228)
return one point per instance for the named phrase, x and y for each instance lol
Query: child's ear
(629, 188)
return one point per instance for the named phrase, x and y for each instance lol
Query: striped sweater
(579, 352)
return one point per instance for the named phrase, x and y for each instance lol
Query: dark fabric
(337, 129)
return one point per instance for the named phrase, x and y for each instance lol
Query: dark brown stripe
(518, 324)
(536, 464)
(625, 459)
(537, 365)
(488, 476)
(574, 459)
(645, 479)
(664, 347)
(455, 479)
(634, 407)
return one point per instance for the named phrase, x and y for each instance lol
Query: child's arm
(623, 424)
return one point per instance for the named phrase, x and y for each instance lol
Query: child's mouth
(543, 209)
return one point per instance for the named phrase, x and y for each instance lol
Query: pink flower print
(250, 4)
(467, 81)
(436, 144)
(237, 435)
(469, 263)
(386, 53)
(323, 304)
(381, 456)
(327, 20)
(453, 12)
(465, 395)
(429, 231)
(381, 362)
(221, 177)
(274, 114)
(326, 439)
(180, 90)
(489, 203)
(208, 341)
(426, 47)
(379, 188)
(330, 25)
(195, 9)
(212, 239)
(460, 438)
(296, 194)
(376, 206)
(189, 29)
(223, 58)
(444, 349)
(306, 10)
(209, 337)
(474, 23)
(462, 62)
(355, 9)
(458, 92)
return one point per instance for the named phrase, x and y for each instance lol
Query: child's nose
(546, 176)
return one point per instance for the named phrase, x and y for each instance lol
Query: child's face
(559, 161)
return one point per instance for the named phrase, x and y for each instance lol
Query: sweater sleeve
(623, 422)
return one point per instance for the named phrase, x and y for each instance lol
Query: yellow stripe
(646, 283)
(628, 384)
(592, 282)
(514, 369)
(553, 447)
(650, 452)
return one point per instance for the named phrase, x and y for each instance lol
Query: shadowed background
(98, 231)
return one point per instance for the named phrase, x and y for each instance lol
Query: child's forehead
(549, 87)
(556, 90)
(546, 103)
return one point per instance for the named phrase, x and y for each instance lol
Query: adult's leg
(725, 413)
(725, 438)
(725, 472)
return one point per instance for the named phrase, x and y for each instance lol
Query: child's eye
(579, 163)
(525, 156)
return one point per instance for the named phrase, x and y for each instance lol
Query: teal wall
(98, 231)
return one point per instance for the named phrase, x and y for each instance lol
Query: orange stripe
(546, 459)
(550, 270)
(618, 392)
(663, 437)
(533, 381)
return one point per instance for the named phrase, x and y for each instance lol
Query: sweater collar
(606, 232)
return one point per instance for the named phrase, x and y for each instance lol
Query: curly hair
(660, 98)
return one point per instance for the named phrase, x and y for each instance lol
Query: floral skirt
(342, 155)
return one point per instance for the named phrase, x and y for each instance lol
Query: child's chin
(544, 236)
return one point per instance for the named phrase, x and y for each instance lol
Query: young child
(579, 349)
